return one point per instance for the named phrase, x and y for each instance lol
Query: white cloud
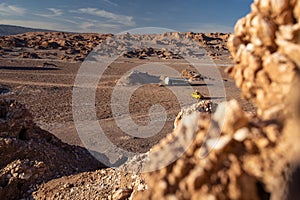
(94, 26)
(54, 13)
(86, 25)
(6, 9)
(110, 3)
(121, 19)
(91, 25)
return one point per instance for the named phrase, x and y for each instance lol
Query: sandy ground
(47, 93)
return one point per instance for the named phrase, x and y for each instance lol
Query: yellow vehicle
(197, 95)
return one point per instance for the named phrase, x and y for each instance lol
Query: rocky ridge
(51, 45)
(214, 43)
(76, 47)
(148, 52)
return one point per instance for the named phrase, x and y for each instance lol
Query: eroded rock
(266, 49)
(249, 157)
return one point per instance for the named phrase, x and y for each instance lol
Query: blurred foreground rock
(249, 161)
(266, 50)
(235, 155)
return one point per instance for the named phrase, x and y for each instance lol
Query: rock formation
(75, 47)
(235, 155)
(148, 52)
(30, 155)
(57, 45)
(214, 43)
(266, 49)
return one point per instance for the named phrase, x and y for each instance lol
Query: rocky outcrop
(76, 47)
(266, 49)
(214, 43)
(30, 155)
(203, 106)
(101, 184)
(235, 155)
(16, 176)
(238, 164)
(212, 40)
(150, 52)
(51, 45)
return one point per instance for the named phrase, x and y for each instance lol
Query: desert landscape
(238, 141)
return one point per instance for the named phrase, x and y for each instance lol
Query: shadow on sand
(29, 68)
(212, 98)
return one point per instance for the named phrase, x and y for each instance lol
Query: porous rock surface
(247, 163)
(235, 155)
(266, 49)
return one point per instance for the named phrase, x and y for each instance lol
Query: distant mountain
(12, 30)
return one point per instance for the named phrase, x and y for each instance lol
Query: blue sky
(120, 15)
